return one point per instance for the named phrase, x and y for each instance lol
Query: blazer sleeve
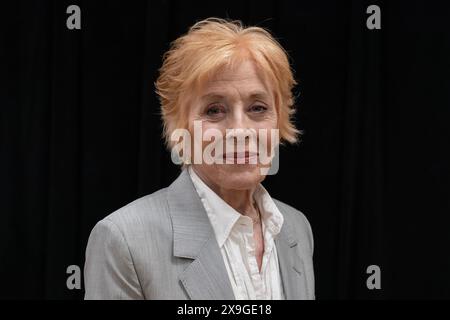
(109, 271)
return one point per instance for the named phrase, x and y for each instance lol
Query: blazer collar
(193, 238)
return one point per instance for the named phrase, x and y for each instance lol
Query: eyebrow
(262, 95)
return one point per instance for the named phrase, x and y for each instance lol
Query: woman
(215, 232)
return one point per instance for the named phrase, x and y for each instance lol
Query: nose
(238, 119)
(241, 130)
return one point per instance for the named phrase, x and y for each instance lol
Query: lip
(240, 157)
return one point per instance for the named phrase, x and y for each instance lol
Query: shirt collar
(223, 217)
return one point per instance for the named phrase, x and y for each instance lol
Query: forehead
(244, 78)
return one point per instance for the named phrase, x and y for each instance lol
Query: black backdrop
(80, 134)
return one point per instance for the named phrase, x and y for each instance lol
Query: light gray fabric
(162, 246)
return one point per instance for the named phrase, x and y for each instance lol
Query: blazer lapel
(291, 264)
(206, 276)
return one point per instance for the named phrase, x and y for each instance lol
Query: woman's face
(234, 99)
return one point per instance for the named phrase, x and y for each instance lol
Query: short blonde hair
(214, 43)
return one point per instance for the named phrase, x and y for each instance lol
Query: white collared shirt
(234, 234)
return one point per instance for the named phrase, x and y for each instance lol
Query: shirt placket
(255, 275)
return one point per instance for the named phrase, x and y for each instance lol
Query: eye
(215, 110)
(258, 108)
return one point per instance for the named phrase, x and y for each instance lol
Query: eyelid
(221, 110)
(263, 105)
(215, 104)
(261, 102)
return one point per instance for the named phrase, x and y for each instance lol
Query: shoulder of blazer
(150, 211)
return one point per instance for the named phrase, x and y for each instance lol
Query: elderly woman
(215, 232)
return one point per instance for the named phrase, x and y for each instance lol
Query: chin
(240, 176)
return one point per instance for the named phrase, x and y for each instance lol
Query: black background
(81, 136)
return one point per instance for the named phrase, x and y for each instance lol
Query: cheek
(271, 135)
(274, 121)
(201, 138)
(210, 127)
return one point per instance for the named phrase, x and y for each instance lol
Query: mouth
(246, 157)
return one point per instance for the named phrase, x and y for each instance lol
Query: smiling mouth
(240, 157)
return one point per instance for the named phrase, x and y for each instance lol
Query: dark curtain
(81, 135)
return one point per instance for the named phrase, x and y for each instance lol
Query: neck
(240, 200)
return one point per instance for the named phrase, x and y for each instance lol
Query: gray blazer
(162, 246)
